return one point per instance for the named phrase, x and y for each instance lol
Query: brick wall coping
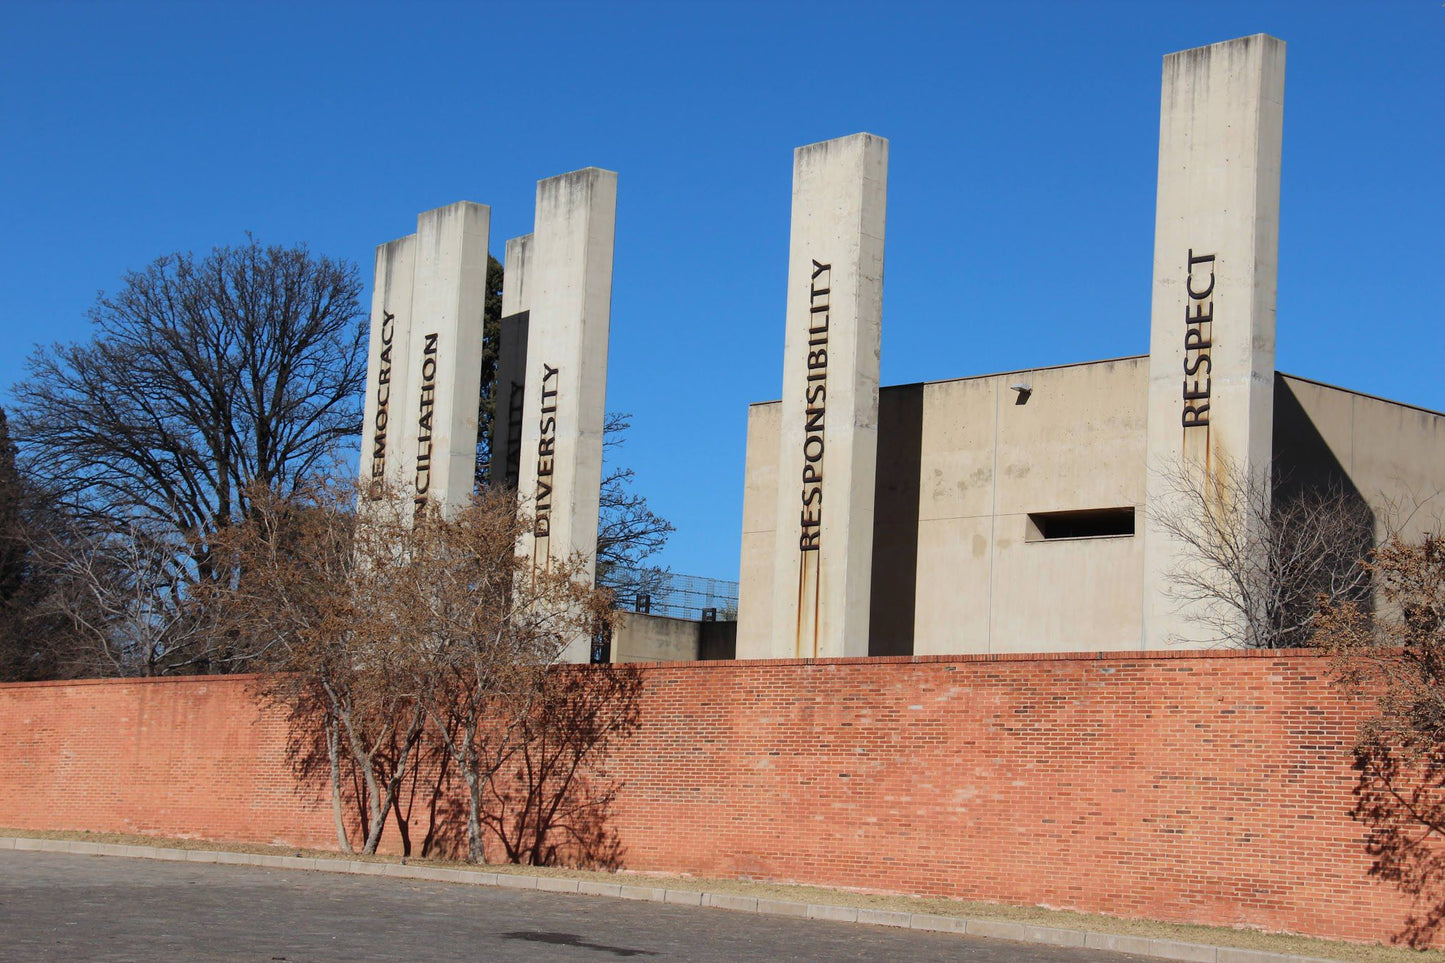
(1125, 655)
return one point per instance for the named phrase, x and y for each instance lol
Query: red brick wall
(195, 758)
(1210, 788)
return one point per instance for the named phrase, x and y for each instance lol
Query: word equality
(1198, 339)
(815, 399)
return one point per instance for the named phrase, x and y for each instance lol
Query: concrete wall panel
(952, 597)
(827, 444)
(1089, 590)
(1216, 247)
(387, 408)
(760, 511)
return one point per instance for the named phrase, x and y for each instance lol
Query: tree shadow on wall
(316, 758)
(553, 801)
(1402, 806)
(429, 793)
(320, 762)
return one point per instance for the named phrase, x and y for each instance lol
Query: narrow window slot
(1092, 523)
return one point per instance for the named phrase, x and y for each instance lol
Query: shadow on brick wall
(552, 803)
(1402, 807)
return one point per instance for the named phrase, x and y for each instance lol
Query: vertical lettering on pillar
(383, 399)
(815, 402)
(546, 459)
(1198, 340)
(827, 438)
(427, 406)
(1212, 313)
(386, 443)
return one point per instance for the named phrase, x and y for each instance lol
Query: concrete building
(1019, 512)
(1007, 521)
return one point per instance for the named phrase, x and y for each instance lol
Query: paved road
(57, 906)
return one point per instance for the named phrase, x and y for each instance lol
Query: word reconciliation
(424, 421)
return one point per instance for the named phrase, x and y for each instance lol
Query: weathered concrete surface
(988, 462)
(985, 463)
(1216, 252)
(828, 435)
(569, 287)
(642, 637)
(759, 539)
(386, 408)
(1391, 455)
(445, 356)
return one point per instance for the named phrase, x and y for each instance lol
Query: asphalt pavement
(59, 906)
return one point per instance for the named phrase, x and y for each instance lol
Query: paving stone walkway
(56, 906)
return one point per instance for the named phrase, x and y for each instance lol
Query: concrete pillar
(1211, 343)
(569, 286)
(445, 364)
(386, 408)
(509, 391)
(828, 438)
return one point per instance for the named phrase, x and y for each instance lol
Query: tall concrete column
(569, 286)
(829, 422)
(445, 364)
(1211, 343)
(509, 392)
(386, 408)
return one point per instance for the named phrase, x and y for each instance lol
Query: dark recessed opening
(1094, 523)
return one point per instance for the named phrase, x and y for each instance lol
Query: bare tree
(35, 643)
(1395, 654)
(491, 352)
(314, 600)
(203, 376)
(629, 532)
(116, 590)
(488, 625)
(1258, 556)
(391, 633)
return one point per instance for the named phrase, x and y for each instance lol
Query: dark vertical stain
(895, 521)
(509, 392)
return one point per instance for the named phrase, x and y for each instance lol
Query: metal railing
(659, 592)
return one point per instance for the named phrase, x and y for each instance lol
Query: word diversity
(425, 361)
(546, 454)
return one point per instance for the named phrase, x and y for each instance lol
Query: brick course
(1194, 787)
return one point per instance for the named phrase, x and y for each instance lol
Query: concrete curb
(989, 929)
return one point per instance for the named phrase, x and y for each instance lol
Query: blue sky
(1023, 143)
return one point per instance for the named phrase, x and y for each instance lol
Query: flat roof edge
(990, 374)
(1137, 357)
(1360, 394)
